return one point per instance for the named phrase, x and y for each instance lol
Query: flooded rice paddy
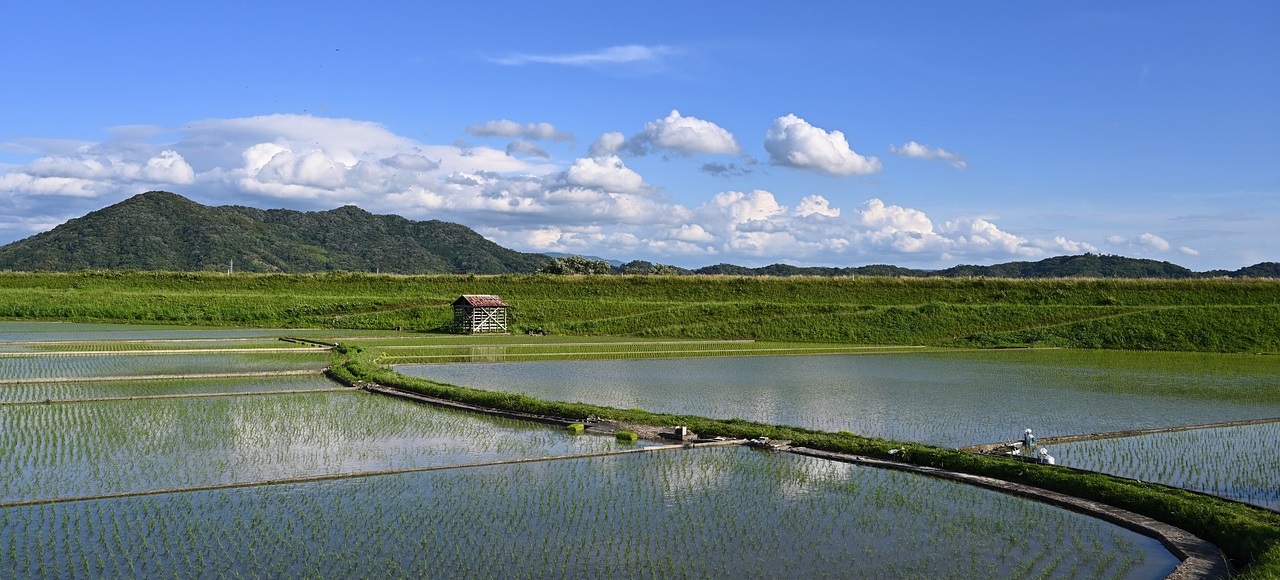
(706, 513)
(950, 399)
(65, 436)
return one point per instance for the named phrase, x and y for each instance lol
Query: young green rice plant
(700, 513)
(27, 368)
(40, 392)
(79, 449)
(1232, 462)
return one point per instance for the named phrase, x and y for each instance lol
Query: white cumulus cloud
(793, 142)
(740, 208)
(1146, 243)
(608, 144)
(608, 173)
(816, 205)
(686, 135)
(873, 214)
(692, 233)
(1154, 242)
(1060, 243)
(919, 151)
(595, 204)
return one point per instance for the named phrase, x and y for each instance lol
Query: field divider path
(1052, 440)
(449, 404)
(1200, 559)
(163, 351)
(137, 341)
(36, 380)
(409, 358)
(566, 344)
(359, 474)
(186, 396)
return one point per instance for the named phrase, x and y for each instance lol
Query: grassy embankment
(1172, 315)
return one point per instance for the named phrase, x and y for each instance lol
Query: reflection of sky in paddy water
(73, 449)
(941, 398)
(721, 513)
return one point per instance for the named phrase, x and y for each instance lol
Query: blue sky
(922, 134)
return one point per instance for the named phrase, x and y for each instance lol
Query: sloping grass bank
(1216, 315)
(1249, 536)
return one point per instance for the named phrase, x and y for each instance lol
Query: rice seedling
(40, 392)
(703, 513)
(588, 521)
(78, 449)
(43, 367)
(1232, 462)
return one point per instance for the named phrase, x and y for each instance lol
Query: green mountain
(1082, 266)
(158, 230)
(163, 231)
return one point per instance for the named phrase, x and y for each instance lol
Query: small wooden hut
(474, 313)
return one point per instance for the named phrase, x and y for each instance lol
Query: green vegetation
(90, 389)
(686, 514)
(575, 428)
(576, 265)
(1186, 315)
(1232, 462)
(1174, 315)
(38, 367)
(626, 437)
(1083, 266)
(163, 231)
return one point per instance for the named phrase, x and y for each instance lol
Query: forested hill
(1082, 266)
(164, 231)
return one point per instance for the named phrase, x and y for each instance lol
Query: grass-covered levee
(1205, 315)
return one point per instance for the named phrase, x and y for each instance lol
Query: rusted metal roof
(480, 301)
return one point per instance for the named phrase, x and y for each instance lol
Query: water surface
(950, 398)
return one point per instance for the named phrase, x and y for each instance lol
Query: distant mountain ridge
(164, 231)
(159, 230)
(1081, 266)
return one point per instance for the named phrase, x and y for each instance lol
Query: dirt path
(37, 380)
(387, 358)
(989, 447)
(374, 345)
(162, 351)
(186, 396)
